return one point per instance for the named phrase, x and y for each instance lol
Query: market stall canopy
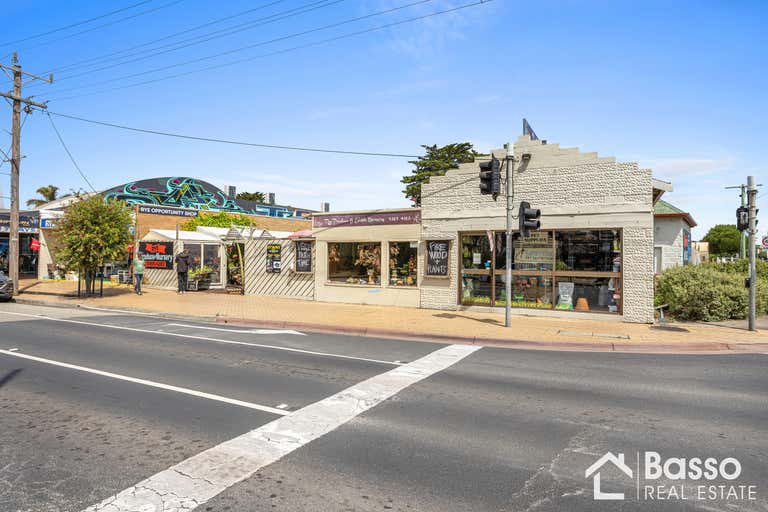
(186, 236)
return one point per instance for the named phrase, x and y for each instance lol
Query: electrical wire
(278, 52)
(226, 141)
(179, 45)
(239, 49)
(164, 38)
(63, 144)
(72, 25)
(98, 27)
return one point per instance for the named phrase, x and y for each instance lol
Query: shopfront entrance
(577, 270)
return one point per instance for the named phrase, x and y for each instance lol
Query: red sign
(34, 244)
(367, 219)
(157, 254)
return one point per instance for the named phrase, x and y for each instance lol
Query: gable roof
(665, 209)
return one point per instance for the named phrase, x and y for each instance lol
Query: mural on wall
(181, 192)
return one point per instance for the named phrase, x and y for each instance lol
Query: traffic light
(490, 177)
(742, 218)
(529, 219)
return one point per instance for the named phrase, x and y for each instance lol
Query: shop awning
(304, 233)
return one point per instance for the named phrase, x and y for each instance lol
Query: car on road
(6, 288)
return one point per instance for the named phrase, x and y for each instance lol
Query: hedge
(709, 292)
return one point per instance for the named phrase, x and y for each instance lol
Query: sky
(678, 87)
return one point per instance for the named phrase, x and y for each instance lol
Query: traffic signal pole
(752, 231)
(508, 276)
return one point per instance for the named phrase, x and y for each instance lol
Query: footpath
(530, 332)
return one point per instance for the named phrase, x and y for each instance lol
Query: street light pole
(752, 230)
(508, 275)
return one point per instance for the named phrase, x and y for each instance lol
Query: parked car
(6, 287)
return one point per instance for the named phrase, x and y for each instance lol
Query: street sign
(765, 242)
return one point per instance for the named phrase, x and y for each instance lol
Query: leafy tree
(435, 162)
(724, 240)
(252, 196)
(217, 220)
(93, 232)
(48, 194)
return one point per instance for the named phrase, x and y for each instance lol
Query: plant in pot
(369, 257)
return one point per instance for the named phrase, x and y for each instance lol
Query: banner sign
(367, 219)
(274, 252)
(158, 255)
(29, 222)
(164, 210)
(437, 258)
(303, 256)
(48, 223)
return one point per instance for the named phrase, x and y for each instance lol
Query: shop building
(672, 244)
(28, 234)
(592, 255)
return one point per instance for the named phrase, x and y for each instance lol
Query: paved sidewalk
(457, 326)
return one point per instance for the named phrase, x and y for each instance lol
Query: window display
(402, 263)
(354, 263)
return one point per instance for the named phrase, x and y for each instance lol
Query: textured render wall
(573, 189)
(668, 235)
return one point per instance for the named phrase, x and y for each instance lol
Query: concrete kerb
(701, 348)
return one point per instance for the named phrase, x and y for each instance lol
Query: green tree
(48, 193)
(217, 220)
(252, 196)
(435, 162)
(93, 232)
(724, 240)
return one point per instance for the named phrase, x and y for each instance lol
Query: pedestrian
(138, 272)
(182, 267)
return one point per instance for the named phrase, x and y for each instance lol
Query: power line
(98, 27)
(226, 141)
(278, 52)
(164, 38)
(63, 144)
(161, 50)
(72, 25)
(239, 49)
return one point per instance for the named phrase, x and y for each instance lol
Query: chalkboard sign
(274, 253)
(437, 258)
(303, 256)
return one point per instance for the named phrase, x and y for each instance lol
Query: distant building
(672, 244)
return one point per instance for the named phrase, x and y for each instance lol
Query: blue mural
(181, 192)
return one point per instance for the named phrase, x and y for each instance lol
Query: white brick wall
(573, 190)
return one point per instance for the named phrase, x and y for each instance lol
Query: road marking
(193, 482)
(243, 331)
(149, 383)
(205, 338)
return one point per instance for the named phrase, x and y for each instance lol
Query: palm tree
(48, 194)
(252, 196)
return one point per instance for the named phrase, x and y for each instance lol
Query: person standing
(138, 272)
(182, 267)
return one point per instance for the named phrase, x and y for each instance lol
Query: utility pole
(15, 72)
(752, 230)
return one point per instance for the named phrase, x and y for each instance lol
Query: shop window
(402, 263)
(475, 252)
(592, 251)
(354, 263)
(195, 257)
(597, 294)
(534, 253)
(528, 291)
(476, 289)
(211, 260)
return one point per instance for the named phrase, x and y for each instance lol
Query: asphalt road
(93, 402)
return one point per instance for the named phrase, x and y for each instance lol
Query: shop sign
(164, 210)
(157, 255)
(274, 252)
(687, 247)
(48, 223)
(303, 256)
(367, 219)
(28, 222)
(437, 258)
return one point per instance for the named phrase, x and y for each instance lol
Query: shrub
(740, 267)
(704, 292)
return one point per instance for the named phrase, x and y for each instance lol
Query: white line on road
(204, 338)
(192, 482)
(241, 331)
(149, 383)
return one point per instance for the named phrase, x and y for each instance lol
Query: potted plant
(369, 257)
(200, 278)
